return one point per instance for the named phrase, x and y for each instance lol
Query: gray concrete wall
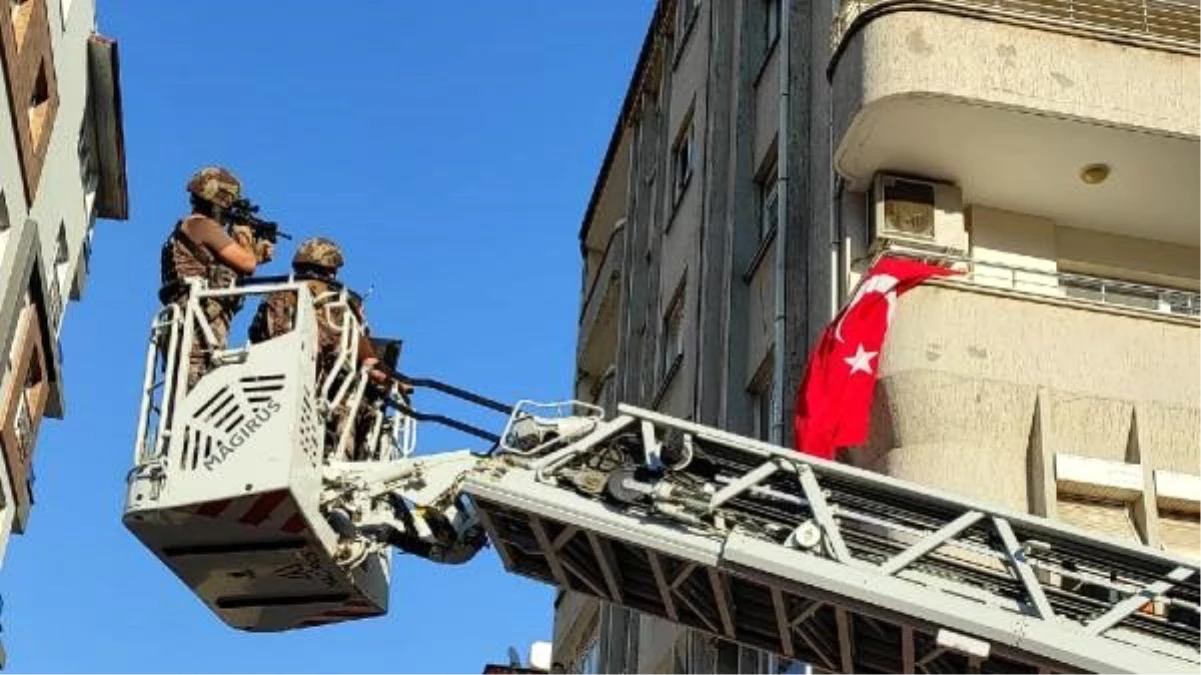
(961, 371)
(961, 378)
(727, 78)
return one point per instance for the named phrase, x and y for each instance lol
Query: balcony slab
(1012, 114)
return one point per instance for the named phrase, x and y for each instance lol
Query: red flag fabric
(833, 404)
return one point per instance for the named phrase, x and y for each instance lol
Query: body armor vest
(182, 258)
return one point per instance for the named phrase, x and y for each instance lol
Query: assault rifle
(242, 212)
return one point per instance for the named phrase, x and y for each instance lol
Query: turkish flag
(833, 404)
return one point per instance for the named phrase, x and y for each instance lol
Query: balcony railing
(54, 303)
(1171, 24)
(1066, 285)
(23, 426)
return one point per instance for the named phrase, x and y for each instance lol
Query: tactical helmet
(215, 184)
(318, 251)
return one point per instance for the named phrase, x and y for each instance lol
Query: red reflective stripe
(350, 613)
(213, 509)
(294, 524)
(351, 609)
(263, 506)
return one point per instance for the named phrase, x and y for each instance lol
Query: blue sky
(451, 149)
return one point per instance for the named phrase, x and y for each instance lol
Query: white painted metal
(277, 525)
(904, 577)
(228, 487)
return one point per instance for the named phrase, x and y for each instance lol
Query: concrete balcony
(988, 380)
(596, 348)
(1012, 99)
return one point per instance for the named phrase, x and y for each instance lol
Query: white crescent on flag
(884, 284)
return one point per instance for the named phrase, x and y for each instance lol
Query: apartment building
(768, 151)
(62, 166)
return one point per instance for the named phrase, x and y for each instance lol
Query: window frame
(772, 14)
(89, 166)
(762, 392)
(683, 158)
(768, 201)
(588, 656)
(687, 13)
(23, 399)
(673, 316)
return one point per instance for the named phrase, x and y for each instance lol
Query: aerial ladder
(259, 495)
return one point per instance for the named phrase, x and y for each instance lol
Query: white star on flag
(862, 360)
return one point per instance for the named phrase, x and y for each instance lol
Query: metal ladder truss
(848, 570)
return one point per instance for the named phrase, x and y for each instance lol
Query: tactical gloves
(262, 250)
(244, 236)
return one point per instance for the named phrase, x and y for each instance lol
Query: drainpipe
(839, 254)
(840, 249)
(777, 429)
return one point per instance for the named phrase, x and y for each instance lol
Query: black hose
(445, 421)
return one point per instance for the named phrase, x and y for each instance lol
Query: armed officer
(200, 247)
(316, 262)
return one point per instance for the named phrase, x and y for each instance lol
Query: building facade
(768, 151)
(62, 167)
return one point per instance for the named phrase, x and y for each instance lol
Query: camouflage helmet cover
(319, 251)
(215, 184)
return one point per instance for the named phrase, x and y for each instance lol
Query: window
(39, 107)
(54, 303)
(26, 408)
(763, 399)
(683, 153)
(21, 12)
(672, 348)
(85, 251)
(26, 387)
(89, 174)
(32, 86)
(61, 250)
(785, 666)
(769, 213)
(5, 223)
(33, 377)
(589, 660)
(686, 13)
(763, 407)
(771, 23)
(59, 279)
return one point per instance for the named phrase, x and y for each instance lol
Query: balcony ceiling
(1031, 163)
(1012, 111)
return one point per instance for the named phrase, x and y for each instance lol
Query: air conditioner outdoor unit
(917, 213)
